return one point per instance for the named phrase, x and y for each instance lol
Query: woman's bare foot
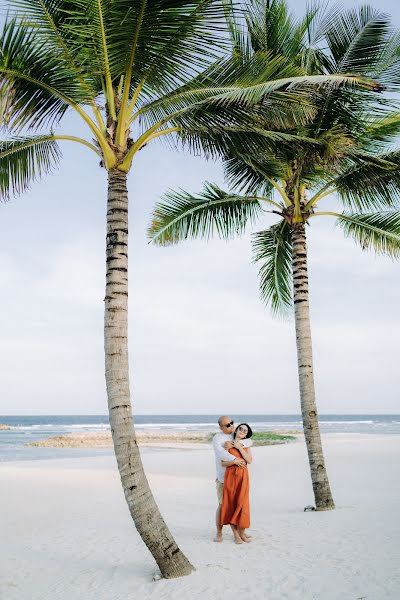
(218, 536)
(236, 536)
(246, 538)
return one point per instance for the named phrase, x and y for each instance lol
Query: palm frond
(370, 181)
(271, 82)
(86, 25)
(251, 174)
(163, 41)
(24, 160)
(273, 249)
(214, 138)
(384, 129)
(182, 215)
(273, 27)
(359, 42)
(48, 19)
(379, 231)
(240, 42)
(254, 94)
(42, 85)
(388, 69)
(356, 39)
(221, 78)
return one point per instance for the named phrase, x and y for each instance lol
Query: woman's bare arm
(245, 452)
(235, 461)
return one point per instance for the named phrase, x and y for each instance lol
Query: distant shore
(157, 439)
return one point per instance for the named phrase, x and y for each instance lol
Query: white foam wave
(349, 422)
(61, 426)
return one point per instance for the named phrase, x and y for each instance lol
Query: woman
(235, 510)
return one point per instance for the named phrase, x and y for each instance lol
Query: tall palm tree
(350, 160)
(134, 72)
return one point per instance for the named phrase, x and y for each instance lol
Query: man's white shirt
(219, 440)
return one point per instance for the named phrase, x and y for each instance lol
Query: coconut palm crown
(351, 160)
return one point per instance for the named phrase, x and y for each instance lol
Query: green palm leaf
(384, 129)
(273, 249)
(303, 85)
(253, 175)
(181, 215)
(217, 138)
(388, 68)
(271, 26)
(371, 181)
(273, 83)
(378, 231)
(49, 18)
(356, 38)
(24, 160)
(177, 38)
(161, 41)
(42, 85)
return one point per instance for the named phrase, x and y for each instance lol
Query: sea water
(27, 429)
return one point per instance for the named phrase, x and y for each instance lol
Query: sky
(200, 340)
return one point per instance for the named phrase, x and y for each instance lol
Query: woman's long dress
(235, 508)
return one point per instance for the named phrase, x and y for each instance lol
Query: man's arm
(220, 451)
(227, 460)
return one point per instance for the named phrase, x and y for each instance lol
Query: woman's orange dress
(235, 508)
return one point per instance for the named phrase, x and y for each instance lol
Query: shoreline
(48, 452)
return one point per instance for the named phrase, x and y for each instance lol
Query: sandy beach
(67, 534)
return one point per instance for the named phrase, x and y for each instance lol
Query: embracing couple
(232, 455)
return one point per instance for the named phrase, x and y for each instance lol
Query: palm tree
(135, 72)
(350, 160)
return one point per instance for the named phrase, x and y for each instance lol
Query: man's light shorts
(220, 490)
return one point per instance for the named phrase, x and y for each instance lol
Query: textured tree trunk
(144, 511)
(319, 477)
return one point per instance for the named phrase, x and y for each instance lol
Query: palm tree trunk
(319, 477)
(142, 506)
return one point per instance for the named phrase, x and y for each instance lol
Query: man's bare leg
(218, 535)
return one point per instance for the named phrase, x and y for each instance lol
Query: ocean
(32, 428)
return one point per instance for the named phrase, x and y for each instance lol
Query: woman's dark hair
(249, 431)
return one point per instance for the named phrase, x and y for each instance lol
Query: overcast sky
(200, 339)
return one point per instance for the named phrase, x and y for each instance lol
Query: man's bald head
(225, 424)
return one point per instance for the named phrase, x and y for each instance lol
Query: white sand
(66, 532)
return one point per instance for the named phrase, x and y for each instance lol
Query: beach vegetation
(267, 438)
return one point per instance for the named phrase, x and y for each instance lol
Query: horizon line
(194, 414)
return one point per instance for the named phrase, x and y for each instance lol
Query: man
(222, 441)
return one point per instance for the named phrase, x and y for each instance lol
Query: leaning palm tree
(134, 72)
(350, 161)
